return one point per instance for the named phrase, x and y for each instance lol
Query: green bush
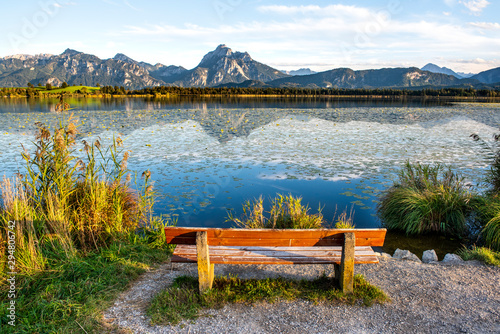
(426, 199)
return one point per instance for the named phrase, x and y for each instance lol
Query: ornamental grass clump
(426, 199)
(487, 219)
(285, 212)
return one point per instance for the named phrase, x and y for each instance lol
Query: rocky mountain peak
(221, 52)
(124, 58)
(70, 53)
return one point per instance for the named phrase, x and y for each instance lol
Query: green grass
(183, 301)
(485, 225)
(483, 254)
(426, 199)
(69, 89)
(73, 293)
(489, 216)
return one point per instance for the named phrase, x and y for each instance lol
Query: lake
(209, 156)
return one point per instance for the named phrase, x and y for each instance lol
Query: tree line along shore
(168, 91)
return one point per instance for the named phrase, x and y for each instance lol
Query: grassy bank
(73, 233)
(70, 295)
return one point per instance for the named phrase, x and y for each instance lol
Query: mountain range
(445, 70)
(221, 67)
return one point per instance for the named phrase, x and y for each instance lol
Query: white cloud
(450, 3)
(486, 25)
(472, 65)
(475, 6)
(331, 10)
(333, 40)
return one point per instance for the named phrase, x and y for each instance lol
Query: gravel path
(426, 298)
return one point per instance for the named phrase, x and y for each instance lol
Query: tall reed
(63, 205)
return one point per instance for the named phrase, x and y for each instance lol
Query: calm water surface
(208, 156)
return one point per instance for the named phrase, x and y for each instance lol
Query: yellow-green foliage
(344, 220)
(484, 254)
(71, 89)
(63, 204)
(285, 212)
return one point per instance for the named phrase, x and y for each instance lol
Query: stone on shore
(405, 255)
(429, 256)
(452, 258)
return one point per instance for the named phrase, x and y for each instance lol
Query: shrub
(426, 199)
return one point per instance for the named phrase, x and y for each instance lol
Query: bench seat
(208, 246)
(273, 255)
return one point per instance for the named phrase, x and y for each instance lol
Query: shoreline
(265, 96)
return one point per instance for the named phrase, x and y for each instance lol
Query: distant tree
(48, 86)
(98, 85)
(30, 85)
(64, 85)
(39, 84)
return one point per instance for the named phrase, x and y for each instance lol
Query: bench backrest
(274, 238)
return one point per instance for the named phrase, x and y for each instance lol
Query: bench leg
(205, 268)
(337, 271)
(347, 263)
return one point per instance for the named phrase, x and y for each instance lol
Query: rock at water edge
(405, 255)
(429, 256)
(452, 258)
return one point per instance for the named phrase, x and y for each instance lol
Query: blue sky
(461, 34)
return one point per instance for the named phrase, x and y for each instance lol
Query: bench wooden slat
(301, 260)
(273, 255)
(282, 238)
(271, 251)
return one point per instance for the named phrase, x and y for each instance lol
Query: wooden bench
(207, 246)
